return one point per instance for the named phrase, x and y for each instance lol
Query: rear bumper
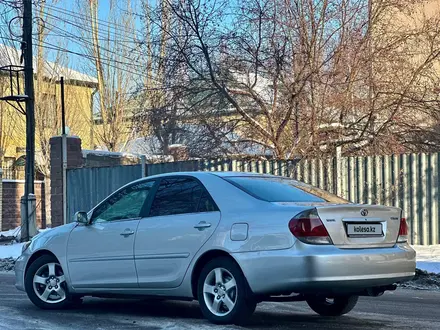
(320, 268)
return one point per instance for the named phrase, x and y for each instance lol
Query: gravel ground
(423, 281)
(7, 264)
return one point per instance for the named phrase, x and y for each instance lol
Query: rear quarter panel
(267, 229)
(267, 223)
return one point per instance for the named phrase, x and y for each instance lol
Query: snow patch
(10, 233)
(427, 252)
(428, 258)
(16, 232)
(10, 251)
(13, 249)
(105, 153)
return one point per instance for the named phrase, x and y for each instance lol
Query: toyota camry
(228, 240)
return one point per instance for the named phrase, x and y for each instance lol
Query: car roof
(204, 173)
(226, 174)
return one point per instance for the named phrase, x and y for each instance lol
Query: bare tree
(262, 63)
(396, 61)
(307, 76)
(114, 62)
(158, 107)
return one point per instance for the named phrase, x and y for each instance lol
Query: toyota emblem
(364, 212)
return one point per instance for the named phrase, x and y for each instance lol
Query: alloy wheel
(220, 291)
(50, 284)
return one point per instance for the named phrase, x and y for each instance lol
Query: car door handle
(202, 225)
(127, 233)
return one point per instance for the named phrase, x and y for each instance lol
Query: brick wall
(11, 192)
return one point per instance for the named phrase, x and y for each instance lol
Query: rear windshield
(283, 190)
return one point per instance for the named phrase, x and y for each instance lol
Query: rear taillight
(403, 231)
(308, 228)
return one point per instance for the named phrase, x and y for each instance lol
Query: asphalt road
(402, 309)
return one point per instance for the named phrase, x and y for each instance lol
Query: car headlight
(25, 246)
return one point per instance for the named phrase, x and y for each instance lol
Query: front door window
(124, 204)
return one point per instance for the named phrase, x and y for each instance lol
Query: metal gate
(86, 187)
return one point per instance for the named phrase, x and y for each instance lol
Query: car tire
(76, 301)
(46, 286)
(338, 306)
(223, 293)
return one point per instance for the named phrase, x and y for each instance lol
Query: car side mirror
(81, 217)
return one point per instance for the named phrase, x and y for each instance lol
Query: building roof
(11, 56)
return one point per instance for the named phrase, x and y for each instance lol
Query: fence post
(144, 166)
(339, 171)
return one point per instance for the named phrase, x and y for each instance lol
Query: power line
(79, 40)
(85, 29)
(138, 43)
(91, 39)
(48, 45)
(11, 3)
(4, 13)
(81, 27)
(86, 40)
(103, 22)
(107, 62)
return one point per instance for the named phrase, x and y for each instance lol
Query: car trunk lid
(361, 226)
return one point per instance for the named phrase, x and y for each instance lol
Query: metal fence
(408, 181)
(86, 187)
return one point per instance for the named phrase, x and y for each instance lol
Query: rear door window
(180, 196)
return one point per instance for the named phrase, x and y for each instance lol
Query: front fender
(52, 241)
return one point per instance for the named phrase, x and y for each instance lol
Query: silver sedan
(229, 240)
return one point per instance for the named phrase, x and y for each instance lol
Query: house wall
(405, 33)
(78, 117)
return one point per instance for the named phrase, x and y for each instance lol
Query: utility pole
(64, 151)
(28, 200)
